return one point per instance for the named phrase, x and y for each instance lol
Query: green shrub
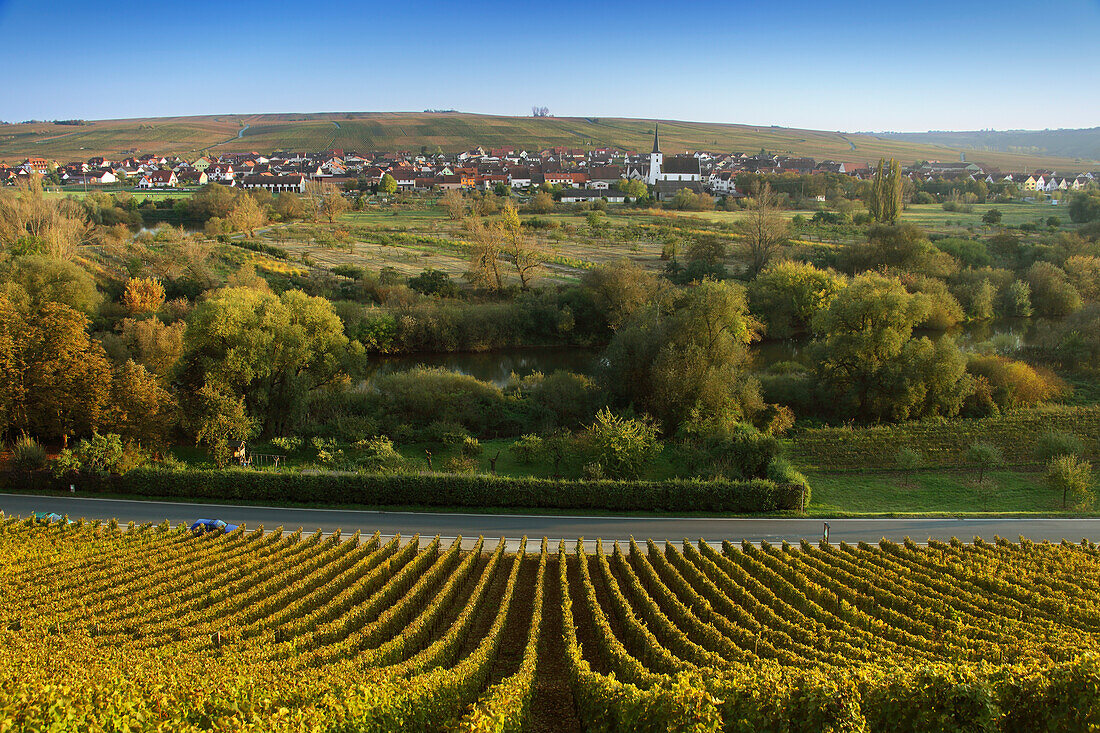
(377, 455)
(471, 447)
(623, 446)
(784, 474)
(742, 452)
(1053, 444)
(462, 464)
(288, 444)
(28, 454)
(99, 455)
(528, 449)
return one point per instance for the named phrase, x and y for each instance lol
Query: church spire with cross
(656, 159)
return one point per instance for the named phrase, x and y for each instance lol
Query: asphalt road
(515, 526)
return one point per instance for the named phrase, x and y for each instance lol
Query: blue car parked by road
(212, 525)
(50, 518)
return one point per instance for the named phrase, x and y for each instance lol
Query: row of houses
(572, 169)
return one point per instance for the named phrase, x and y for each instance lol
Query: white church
(668, 176)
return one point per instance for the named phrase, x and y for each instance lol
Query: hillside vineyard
(152, 628)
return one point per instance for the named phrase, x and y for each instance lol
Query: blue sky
(821, 65)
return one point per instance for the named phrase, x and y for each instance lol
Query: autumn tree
(149, 342)
(212, 200)
(175, 254)
(288, 206)
(53, 376)
(633, 188)
(30, 223)
(138, 408)
(787, 295)
(541, 203)
(885, 198)
(612, 292)
(488, 240)
(34, 280)
(526, 256)
(763, 228)
(143, 295)
(218, 418)
(1071, 476)
(247, 215)
(455, 204)
(324, 199)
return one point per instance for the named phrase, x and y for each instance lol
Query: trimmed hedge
(450, 490)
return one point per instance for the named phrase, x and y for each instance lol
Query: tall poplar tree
(884, 203)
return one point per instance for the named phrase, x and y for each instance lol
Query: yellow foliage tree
(143, 295)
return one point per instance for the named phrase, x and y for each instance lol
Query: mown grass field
(192, 136)
(946, 491)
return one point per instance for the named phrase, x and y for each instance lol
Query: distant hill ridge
(453, 131)
(1068, 143)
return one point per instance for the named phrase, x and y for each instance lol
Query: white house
(723, 182)
(275, 184)
(159, 179)
(578, 195)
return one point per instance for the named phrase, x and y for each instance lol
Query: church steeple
(655, 160)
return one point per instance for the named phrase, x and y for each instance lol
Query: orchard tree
(519, 247)
(763, 228)
(1071, 476)
(985, 456)
(993, 216)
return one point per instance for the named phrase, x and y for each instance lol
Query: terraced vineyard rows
(152, 628)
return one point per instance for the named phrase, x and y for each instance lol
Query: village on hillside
(580, 174)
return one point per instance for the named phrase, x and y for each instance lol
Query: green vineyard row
(109, 628)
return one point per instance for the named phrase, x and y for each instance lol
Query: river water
(496, 367)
